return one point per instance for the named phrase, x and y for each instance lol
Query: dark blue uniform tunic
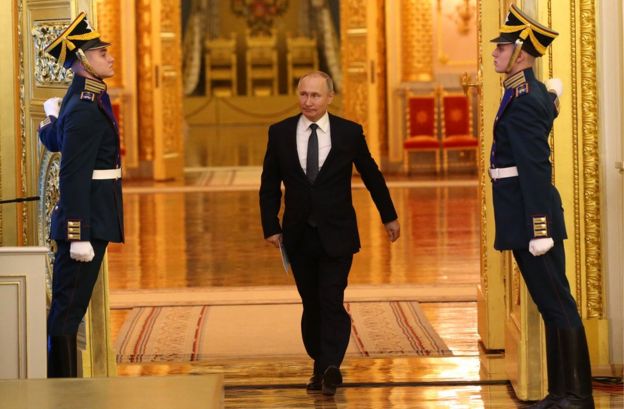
(86, 134)
(528, 206)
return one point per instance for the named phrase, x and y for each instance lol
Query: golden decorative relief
(22, 144)
(145, 89)
(482, 162)
(170, 16)
(354, 12)
(381, 78)
(47, 71)
(172, 76)
(417, 40)
(109, 26)
(575, 158)
(591, 161)
(354, 61)
(50, 194)
(172, 115)
(515, 282)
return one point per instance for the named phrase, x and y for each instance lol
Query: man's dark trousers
(321, 281)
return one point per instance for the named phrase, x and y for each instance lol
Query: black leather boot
(577, 369)
(62, 357)
(554, 366)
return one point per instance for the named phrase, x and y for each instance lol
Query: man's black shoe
(331, 379)
(315, 383)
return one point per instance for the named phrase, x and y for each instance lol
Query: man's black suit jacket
(327, 201)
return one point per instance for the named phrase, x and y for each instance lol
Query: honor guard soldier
(527, 207)
(89, 213)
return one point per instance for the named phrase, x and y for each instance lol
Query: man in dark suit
(527, 207)
(89, 213)
(313, 154)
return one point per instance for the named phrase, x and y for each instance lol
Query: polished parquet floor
(185, 236)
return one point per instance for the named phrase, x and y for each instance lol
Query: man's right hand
(81, 251)
(275, 239)
(52, 106)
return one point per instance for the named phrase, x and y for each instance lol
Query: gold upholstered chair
(220, 63)
(457, 131)
(421, 116)
(261, 63)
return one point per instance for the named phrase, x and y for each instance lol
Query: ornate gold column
(417, 41)
(363, 54)
(353, 49)
(159, 61)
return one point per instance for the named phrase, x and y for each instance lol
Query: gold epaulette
(94, 86)
(518, 83)
(515, 80)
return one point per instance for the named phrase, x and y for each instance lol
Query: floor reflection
(202, 239)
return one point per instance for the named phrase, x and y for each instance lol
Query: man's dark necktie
(312, 160)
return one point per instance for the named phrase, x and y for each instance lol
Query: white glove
(52, 106)
(81, 251)
(539, 247)
(554, 85)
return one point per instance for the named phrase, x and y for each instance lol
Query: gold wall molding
(381, 79)
(49, 188)
(586, 161)
(482, 158)
(22, 144)
(591, 161)
(146, 73)
(172, 75)
(417, 42)
(109, 25)
(575, 159)
(354, 61)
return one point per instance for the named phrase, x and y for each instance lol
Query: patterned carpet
(286, 294)
(202, 332)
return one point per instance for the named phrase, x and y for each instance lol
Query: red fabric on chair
(456, 115)
(421, 142)
(422, 116)
(459, 141)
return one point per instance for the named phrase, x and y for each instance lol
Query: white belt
(101, 174)
(502, 173)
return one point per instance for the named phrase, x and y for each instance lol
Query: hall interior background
(240, 62)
